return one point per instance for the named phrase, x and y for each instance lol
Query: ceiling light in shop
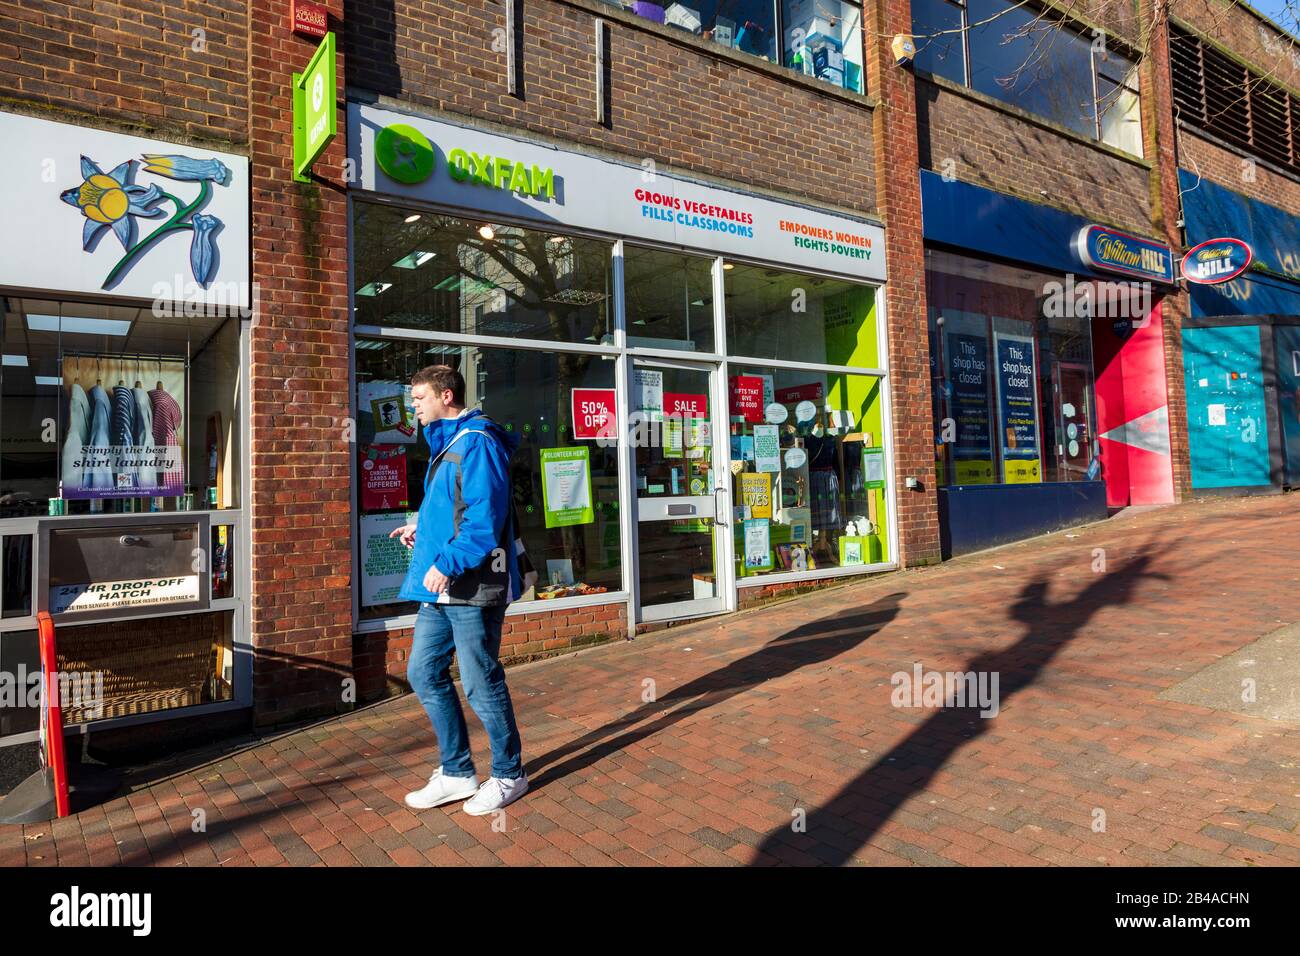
(557, 239)
(374, 288)
(55, 380)
(487, 232)
(371, 344)
(414, 260)
(73, 325)
(16, 361)
(414, 217)
(728, 265)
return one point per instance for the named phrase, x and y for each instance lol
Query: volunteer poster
(756, 494)
(767, 448)
(386, 408)
(125, 431)
(758, 545)
(384, 560)
(382, 473)
(1018, 408)
(968, 374)
(648, 393)
(566, 486)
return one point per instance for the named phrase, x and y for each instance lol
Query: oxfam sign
(406, 155)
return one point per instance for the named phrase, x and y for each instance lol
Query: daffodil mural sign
(105, 213)
(111, 201)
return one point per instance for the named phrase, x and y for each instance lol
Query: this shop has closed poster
(1017, 405)
(968, 372)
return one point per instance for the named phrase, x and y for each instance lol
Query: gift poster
(747, 398)
(125, 427)
(566, 486)
(756, 494)
(382, 473)
(384, 560)
(387, 408)
(767, 448)
(1018, 408)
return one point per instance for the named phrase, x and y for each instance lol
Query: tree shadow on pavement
(803, 646)
(836, 831)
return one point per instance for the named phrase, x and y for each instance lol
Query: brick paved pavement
(782, 716)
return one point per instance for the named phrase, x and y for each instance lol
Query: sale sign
(593, 413)
(686, 405)
(382, 471)
(747, 397)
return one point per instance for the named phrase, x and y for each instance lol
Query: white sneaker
(495, 794)
(441, 789)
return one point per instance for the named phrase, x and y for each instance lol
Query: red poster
(747, 397)
(593, 413)
(382, 472)
(812, 392)
(686, 405)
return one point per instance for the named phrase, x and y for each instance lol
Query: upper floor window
(1015, 54)
(821, 38)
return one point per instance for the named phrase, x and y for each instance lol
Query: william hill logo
(1111, 251)
(1217, 260)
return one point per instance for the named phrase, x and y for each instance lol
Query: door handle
(719, 512)
(131, 540)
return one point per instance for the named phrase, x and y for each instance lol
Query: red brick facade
(218, 72)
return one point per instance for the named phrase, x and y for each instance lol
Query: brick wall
(992, 148)
(673, 99)
(899, 196)
(380, 658)
(301, 499)
(178, 68)
(1231, 169)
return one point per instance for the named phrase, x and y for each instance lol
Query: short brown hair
(440, 378)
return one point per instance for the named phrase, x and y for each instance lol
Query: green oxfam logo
(404, 153)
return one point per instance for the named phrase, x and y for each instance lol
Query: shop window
(799, 318)
(117, 409)
(940, 44)
(668, 300)
(20, 662)
(533, 394)
(807, 455)
(1011, 370)
(437, 273)
(821, 38)
(1018, 55)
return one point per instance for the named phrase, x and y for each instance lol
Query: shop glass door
(1073, 414)
(673, 433)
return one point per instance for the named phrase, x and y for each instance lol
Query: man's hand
(407, 531)
(436, 581)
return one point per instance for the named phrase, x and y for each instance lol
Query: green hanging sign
(315, 113)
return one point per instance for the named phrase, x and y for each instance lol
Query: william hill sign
(1217, 260)
(1109, 250)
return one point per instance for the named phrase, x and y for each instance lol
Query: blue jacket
(464, 525)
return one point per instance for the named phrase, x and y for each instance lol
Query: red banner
(812, 392)
(747, 397)
(686, 404)
(382, 473)
(593, 413)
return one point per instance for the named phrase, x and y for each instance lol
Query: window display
(1012, 378)
(117, 409)
(565, 486)
(808, 471)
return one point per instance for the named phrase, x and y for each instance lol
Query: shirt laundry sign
(121, 441)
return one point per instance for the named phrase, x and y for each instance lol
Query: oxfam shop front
(696, 375)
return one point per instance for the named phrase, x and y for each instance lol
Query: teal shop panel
(1226, 421)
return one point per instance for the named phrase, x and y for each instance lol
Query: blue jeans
(474, 634)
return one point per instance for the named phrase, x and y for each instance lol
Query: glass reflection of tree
(533, 272)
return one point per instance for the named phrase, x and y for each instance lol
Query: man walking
(464, 571)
